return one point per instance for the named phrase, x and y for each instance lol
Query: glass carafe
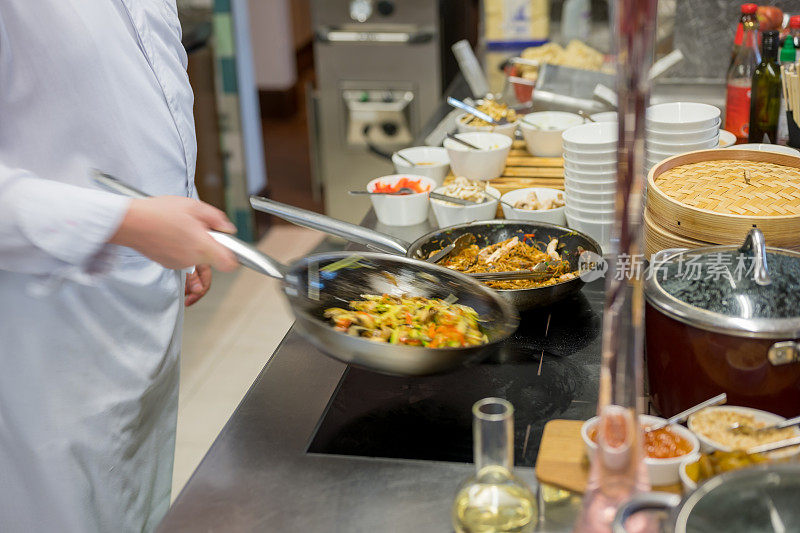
(494, 500)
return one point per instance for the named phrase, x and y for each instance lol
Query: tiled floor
(227, 339)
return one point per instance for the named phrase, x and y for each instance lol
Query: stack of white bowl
(680, 127)
(590, 178)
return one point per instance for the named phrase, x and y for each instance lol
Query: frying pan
(311, 288)
(571, 243)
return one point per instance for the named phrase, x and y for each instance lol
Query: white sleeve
(48, 227)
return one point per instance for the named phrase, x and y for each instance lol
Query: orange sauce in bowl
(659, 444)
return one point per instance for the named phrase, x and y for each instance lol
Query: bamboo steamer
(703, 197)
(657, 238)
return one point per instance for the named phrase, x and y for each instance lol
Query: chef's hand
(197, 284)
(172, 230)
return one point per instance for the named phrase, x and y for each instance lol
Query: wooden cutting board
(524, 170)
(562, 460)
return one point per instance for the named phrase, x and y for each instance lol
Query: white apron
(89, 332)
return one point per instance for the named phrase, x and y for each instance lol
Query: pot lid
(754, 500)
(752, 290)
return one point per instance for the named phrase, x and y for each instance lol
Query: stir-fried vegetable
(409, 320)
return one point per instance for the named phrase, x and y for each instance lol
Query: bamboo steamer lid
(717, 196)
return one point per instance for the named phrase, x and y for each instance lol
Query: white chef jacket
(89, 332)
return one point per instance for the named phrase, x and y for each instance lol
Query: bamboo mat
(524, 170)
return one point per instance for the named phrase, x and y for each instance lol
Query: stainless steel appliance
(378, 78)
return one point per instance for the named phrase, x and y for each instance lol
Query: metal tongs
(680, 417)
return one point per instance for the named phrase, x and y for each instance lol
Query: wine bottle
(765, 98)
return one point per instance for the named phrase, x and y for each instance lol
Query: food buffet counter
(318, 446)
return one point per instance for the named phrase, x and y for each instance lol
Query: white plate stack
(680, 127)
(590, 178)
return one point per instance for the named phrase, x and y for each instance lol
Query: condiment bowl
(591, 177)
(509, 129)
(579, 156)
(687, 483)
(591, 167)
(707, 445)
(591, 186)
(589, 195)
(431, 162)
(682, 147)
(591, 137)
(485, 164)
(401, 210)
(668, 136)
(581, 210)
(596, 228)
(682, 116)
(660, 471)
(450, 214)
(551, 216)
(542, 131)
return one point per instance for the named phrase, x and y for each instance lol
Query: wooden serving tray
(704, 196)
(524, 170)
(562, 460)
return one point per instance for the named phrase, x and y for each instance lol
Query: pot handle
(247, 254)
(648, 501)
(331, 226)
(783, 353)
(755, 243)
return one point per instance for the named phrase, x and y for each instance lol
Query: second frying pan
(571, 244)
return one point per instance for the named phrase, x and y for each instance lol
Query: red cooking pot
(724, 319)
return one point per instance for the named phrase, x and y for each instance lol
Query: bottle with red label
(748, 16)
(740, 75)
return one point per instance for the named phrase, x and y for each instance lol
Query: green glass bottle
(765, 97)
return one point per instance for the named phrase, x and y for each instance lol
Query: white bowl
(542, 131)
(599, 230)
(593, 187)
(673, 137)
(726, 138)
(660, 471)
(401, 210)
(450, 215)
(551, 216)
(436, 163)
(588, 195)
(776, 148)
(680, 148)
(592, 177)
(591, 137)
(682, 116)
(603, 212)
(591, 157)
(687, 483)
(485, 164)
(707, 445)
(589, 166)
(605, 116)
(509, 130)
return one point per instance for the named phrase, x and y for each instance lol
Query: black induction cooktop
(548, 369)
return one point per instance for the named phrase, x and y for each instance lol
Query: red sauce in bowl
(414, 185)
(659, 444)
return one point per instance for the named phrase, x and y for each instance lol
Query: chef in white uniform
(90, 283)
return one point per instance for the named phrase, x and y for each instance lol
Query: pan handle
(331, 226)
(247, 254)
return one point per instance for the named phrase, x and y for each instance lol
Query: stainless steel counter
(258, 476)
